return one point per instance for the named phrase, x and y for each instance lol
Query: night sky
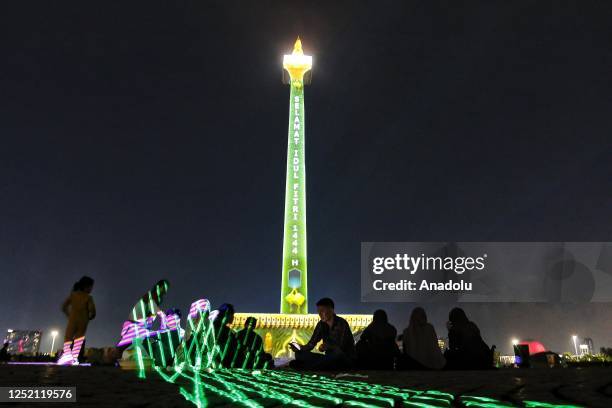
(142, 141)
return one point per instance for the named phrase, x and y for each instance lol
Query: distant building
(505, 361)
(443, 344)
(589, 348)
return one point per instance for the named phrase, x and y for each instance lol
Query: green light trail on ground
(267, 388)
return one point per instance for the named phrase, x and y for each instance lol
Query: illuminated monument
(294, 298)
(294, 323)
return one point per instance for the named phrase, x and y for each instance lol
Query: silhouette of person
(225, 337)
(79, 307)
(466, 348)
(251, 353)
(4, 356)
(376, 348)
(420, 349)
(338, 342)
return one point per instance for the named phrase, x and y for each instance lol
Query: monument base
(278, 330)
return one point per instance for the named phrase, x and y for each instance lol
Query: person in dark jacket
(337, 339)
(376, 348)
(466, 348)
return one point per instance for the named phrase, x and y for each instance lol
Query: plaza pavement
(115, 388)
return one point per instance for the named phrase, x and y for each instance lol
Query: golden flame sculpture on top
(297, 64)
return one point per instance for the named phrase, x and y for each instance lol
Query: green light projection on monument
(294, 293)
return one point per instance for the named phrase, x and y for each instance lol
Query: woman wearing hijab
(420, 344)
(466, 348)
(376, 348)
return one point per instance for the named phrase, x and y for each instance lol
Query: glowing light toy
(71, 351)
(209, 343)
(144, 314)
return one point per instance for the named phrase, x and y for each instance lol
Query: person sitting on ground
(338, 342)
(376, 348)
(420, 349)
(225, 338)
(248, 335)
(251, 353)
(466, 348)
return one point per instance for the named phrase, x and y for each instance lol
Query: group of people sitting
(206, 340)
(241, 349)
(378, 348)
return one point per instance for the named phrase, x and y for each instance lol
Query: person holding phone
(337, 342)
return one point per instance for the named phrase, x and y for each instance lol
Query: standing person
(80, 309)
(376, 348)
(466, 348)
(338, 342)
(420, 344)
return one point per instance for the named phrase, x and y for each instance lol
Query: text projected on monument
(294, 269)
(564, 272)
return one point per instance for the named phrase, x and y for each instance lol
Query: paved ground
(96, 386)
(112, 387)
(590, 387)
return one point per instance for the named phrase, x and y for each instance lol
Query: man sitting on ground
(338, 342)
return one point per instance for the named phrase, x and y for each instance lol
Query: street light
(53, 336)
(515, 342)
(574, 338)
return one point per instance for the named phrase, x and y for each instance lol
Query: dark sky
(142, 141)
